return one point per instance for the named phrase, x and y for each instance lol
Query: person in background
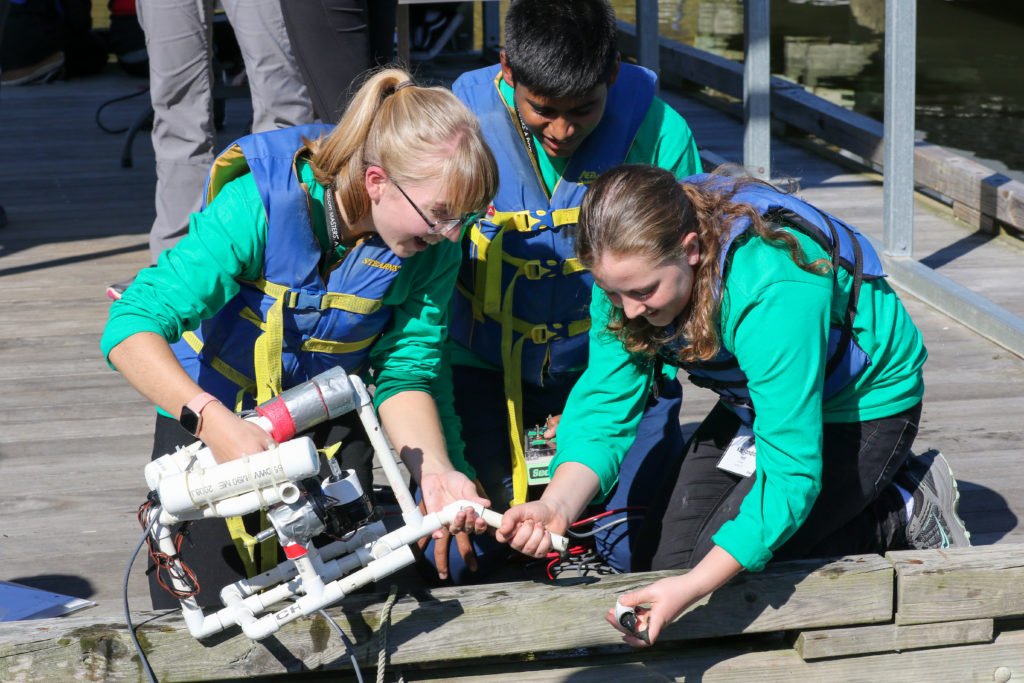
(558, 110)
(782, 310)
(317, 248)
(335, 41)
(179, 45)
(49, 39)
(5, 5)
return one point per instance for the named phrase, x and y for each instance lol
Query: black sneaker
(115, 290)
(43, 71)
(934, 522)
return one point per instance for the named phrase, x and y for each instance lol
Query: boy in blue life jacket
(557, 111)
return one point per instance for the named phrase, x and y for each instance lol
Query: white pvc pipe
(382, 447)
(320, 581)
(291, 461)
(332, 593)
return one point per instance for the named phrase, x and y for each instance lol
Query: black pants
(207, 547)
(334, 41)
(857, 510)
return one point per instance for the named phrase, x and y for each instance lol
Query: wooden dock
(74, 438)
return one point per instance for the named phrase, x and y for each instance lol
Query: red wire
(165, 563)
(604, 514)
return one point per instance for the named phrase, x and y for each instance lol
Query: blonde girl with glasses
(340, 243)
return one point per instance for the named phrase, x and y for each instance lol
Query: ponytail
(415, 134)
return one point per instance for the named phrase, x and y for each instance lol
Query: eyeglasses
(443, 226)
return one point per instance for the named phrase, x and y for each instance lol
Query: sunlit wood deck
(74, 436)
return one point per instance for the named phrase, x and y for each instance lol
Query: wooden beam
(861, 640)
(465, 625)
(747, 660)
(958, 583)
(964, 180)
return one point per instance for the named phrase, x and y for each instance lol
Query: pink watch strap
(197, 404)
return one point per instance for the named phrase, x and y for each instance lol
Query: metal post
(757, 143)
(647, 34)
(898, 131)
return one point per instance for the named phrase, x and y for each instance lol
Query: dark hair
(561, 48)
(643, 210)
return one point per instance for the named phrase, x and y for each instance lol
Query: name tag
(740, 458)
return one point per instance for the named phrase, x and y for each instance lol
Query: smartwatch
(192, 413)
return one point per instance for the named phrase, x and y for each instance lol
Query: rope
(385, 625)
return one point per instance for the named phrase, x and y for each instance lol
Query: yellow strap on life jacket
(245, 544)
(480, 241)
(268, 548)
(498, 305)
(267, 354)
(327, 346)
(560, 217)
(572, 265)
(349, 302)
(492, 275)
(230, 164)
(512, 362)
(524, 221)
(482, 244)
(313, 344)
(244, 383)
(269, 345)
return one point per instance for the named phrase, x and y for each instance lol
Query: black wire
(583, 564)
(606, 525)
(108, 103)
(349, 647)
(127, 615)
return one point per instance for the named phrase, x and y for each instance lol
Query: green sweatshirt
(775, 319)
(663, 139)
(226, 242)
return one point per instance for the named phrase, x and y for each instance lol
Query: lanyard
(333, 219)
(528, 137)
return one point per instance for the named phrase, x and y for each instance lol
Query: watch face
(190, 420)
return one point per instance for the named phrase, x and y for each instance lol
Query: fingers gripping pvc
(559, 544)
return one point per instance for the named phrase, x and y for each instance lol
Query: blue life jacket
(847, 249)
(522, 298)
(289, 325)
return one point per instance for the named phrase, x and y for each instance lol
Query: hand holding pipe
(558, 543)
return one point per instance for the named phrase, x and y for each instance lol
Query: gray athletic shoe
(934, 522)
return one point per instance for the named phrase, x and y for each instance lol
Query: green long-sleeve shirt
(226, 242)
(775, 319)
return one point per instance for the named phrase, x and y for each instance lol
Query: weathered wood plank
(860, 640)
(741, 660)
(958, 583)
(82, 429)
(467, 623)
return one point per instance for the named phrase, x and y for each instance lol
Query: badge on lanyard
(740, 458)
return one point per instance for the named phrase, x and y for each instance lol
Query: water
(970, 61)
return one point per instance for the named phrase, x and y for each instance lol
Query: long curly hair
(639, 210)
